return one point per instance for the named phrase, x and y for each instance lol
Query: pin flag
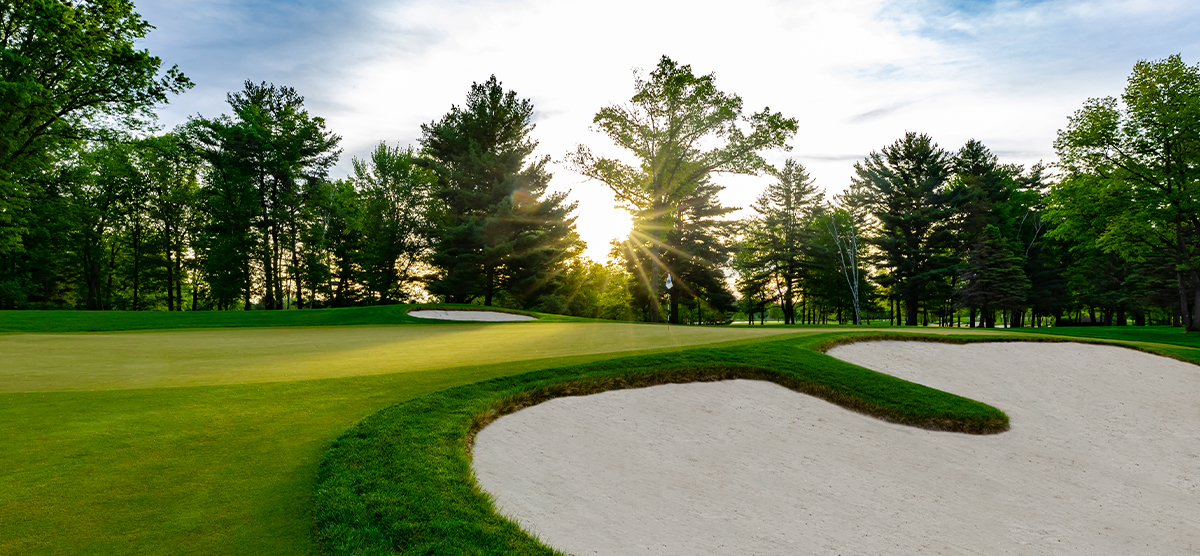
(669, 283)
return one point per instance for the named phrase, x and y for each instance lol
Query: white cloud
(857, 74)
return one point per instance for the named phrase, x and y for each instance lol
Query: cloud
(872, 115)
(856, 74)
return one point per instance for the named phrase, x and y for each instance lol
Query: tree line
(238, 211)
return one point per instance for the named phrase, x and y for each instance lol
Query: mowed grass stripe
(222, 469)
(124, 360)
(107, 321)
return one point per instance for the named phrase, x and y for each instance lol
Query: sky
(856, 74)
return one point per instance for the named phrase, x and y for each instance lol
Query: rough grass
(401, 482)
(1153, 334)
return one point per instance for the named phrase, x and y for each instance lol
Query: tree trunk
(268, 258)
(490, 274)
(1194, 323)
(179, 283)
(911, 308)
(295, 270)
(112, 263)
(136, 270)
(170, 280)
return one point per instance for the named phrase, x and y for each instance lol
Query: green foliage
(590, 289)
(682, 130)
(778, 245)
(263, 162)
(1139, 158)
(695, 250)
(68, 70)
(993, 278)
(906, 185)
(500, 230)
(397, 218)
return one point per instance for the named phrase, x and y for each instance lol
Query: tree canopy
(500, 230)
(681, 130)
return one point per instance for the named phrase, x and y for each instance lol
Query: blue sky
(856, 73)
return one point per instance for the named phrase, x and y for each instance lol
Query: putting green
(155, 359)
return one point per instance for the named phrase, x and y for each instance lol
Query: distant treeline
(238, 211)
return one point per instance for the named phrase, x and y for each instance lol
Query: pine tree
(906, 185)
(782, 240)
(500, 231)
(993, 278)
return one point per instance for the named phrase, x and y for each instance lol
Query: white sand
(488, 316)
(1103, 458)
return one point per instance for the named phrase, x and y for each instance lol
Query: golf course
(157, 439)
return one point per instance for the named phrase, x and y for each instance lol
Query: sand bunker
(1103, 458)
(489, 316)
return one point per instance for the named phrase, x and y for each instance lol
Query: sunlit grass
(47, 362)
(101, 321)
(208, 441)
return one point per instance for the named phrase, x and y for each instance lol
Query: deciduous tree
(1145, 148)
(681, 130)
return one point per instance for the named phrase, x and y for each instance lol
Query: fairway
(207, 441)
(154, 359)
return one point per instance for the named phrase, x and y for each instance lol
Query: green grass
(169, 358)
(227, 466)
(102, 321)
(401, 481)
(1151, 334)
(209, 441)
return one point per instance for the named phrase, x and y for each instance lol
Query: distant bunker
(477, 316)
(1101, 457)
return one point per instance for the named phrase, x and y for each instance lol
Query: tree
(100, 188)
(779, 244)
(999, 195)
(700, 241)
(844, 233)
(1145, 149)
(906, 184)
(681, 129)
(397, 216)
(993, 278)
(68, 70)
(333, 241)
(500, 231)
(171, 172)
(274, 150)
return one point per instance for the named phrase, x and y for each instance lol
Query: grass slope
(401, 481)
